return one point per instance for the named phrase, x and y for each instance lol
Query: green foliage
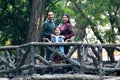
(91, 13)
(59, 9)
(14, 16)
(109, 36)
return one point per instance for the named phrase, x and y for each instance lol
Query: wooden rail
(26, 59)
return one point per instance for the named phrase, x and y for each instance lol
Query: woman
(66, 30)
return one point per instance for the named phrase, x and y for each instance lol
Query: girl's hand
(52, 35)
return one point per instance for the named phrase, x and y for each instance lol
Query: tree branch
(94, 29)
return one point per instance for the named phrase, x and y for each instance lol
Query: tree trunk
(111, 54)
(36, 19)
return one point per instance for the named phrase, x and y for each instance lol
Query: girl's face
(57, 31)
(65, 19)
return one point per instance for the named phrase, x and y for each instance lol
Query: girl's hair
(67, 16)
(56, 28)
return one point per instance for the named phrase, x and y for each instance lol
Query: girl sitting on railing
(57, 38)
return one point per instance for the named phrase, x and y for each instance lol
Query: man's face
(50, 16)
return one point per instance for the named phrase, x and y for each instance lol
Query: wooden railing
(26, 59)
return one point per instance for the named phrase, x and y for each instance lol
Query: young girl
(57, 38)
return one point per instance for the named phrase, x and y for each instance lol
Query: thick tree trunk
(111, 54)
(36, 19)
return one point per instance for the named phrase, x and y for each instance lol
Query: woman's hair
(67, 16)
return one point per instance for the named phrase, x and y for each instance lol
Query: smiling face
(65, 19)
(57, 31)
(50, 16)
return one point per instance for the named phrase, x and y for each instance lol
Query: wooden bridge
(26, 59)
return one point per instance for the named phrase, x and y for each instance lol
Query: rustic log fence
(26, 59)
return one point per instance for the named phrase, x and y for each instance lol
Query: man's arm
(44, 30)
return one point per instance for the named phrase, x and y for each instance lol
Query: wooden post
(32, 59)
(81, 59)
(100, 71)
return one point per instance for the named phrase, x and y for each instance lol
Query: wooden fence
(26, 59)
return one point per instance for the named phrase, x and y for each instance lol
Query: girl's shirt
(57, 39)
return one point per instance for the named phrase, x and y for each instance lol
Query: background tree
(14, 16)
(90, 13)
(36, 19)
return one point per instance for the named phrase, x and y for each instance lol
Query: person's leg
(48, 53)
(66, 49)
(42, 52)
(61, 49)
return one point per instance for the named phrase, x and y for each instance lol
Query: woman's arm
(70, 31)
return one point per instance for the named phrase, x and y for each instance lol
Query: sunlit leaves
(10, 8)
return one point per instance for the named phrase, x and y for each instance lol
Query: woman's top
(67, 31)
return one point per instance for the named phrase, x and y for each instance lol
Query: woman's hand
(68, 40)
(63, 37)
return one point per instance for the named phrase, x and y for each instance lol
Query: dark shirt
(67, 31)
(48, 29)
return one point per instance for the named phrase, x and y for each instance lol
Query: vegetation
(14, 18)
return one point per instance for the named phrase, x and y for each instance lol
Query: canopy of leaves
(14, 16)
(95, 13)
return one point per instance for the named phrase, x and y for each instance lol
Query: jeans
(48, 53)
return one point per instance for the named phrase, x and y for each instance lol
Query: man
(48, 29)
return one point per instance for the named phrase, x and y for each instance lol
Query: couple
(50, 31)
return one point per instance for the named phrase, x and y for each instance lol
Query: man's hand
(47, 40)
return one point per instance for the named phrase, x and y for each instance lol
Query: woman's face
(57, 31)
(65, 19)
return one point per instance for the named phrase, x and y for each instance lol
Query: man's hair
(50, 12)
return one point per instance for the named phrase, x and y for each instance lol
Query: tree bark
(36, 19)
